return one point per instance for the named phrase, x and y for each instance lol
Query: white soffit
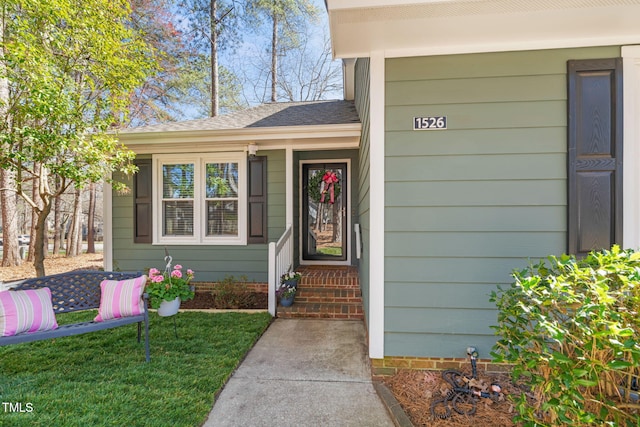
(432, 27)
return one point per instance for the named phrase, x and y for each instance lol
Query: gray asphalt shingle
(280, 114)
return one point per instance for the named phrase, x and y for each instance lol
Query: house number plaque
(430, 123)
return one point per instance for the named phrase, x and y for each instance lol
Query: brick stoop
(328, 292)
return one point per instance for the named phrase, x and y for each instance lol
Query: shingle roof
(266, 115)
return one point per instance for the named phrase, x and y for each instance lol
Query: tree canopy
(70, 67)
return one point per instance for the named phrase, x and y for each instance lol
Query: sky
(255, 50)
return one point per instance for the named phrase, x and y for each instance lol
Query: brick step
(330, 282)
(317, 295)
(329, 277)
(321, 310)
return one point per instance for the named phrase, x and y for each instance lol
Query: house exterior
(215, 192)
(493, 132)
(475, 136)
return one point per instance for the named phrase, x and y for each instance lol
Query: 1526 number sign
(430, 123)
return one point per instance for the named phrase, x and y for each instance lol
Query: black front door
(324, 209)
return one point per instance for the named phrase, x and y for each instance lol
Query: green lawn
(101, 378)
(330, 250)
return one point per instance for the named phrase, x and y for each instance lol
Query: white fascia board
(300, 137)
(356, 35)
(506, 47)
(356, 4)
(245, 134)
(178, 146)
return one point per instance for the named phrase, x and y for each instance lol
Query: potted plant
(286, 293)
(167, 289)
(290, 278)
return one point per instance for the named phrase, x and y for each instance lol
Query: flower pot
(287, 302)
(291, 283)
(169, 308)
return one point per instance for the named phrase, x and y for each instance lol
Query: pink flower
(153, 272)
(157, 279)
(178, 267)
(177, 274)
(189, 272)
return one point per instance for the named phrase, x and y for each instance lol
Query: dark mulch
(244, 300)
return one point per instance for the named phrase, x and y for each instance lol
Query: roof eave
(336, 136)
(428, 27)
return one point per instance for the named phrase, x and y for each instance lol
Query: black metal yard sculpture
(465, 391)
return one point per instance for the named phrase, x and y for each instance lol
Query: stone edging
(399, 417)
(224, 310)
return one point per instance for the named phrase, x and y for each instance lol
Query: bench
(75, 291)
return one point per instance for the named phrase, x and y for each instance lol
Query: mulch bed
(416, 390)
(244, 300)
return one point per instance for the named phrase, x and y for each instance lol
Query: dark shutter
(595, 155)
(142, 207)
(257, 202)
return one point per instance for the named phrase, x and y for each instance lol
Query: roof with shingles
(280, 114)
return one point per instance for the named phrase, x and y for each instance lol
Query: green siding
(362, 203)
(467, 205)
(209, 262)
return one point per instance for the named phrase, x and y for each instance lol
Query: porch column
(107, 227)
(289, 194)
(376, 194)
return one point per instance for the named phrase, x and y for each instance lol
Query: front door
(324, 212)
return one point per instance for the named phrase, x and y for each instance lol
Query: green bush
(571, 329)
(233, 293)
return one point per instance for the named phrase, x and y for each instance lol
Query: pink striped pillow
(121, 298)
(26, 311)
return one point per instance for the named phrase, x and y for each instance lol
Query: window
(201, 199)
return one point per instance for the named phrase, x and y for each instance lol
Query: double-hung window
(201, 199)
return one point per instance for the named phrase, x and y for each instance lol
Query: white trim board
(376, 208)
(631, 147)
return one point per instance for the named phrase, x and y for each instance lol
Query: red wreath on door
(328, 185)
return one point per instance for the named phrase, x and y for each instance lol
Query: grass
(331, 250)
(101, 378)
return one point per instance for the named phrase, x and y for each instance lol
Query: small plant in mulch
(233, 293)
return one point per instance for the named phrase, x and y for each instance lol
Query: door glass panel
(325, 212)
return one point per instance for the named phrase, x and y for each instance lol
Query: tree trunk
(73, 237)
(42, 198)
(39, 243)
(35, 196)
(57, 225)
(274, 59)
(10, 252)
(215, 79)
(91, 247)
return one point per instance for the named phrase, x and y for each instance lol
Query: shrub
(233, 293)
(571, 329)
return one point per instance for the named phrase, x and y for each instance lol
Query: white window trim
(199, 237)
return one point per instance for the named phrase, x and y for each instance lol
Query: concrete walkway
(303, 372)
